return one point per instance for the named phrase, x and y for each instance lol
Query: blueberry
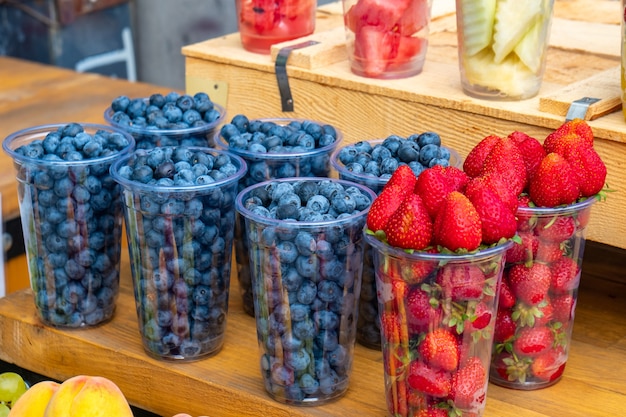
(428, 152)
(429, 138)
(389, 166)
(347, 154)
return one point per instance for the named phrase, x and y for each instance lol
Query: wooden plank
(601, 86)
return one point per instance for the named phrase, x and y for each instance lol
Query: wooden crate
(583, 61)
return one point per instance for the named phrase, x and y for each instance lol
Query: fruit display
(179, 212)
(555, 184)
(78, 396)
(306, 255)
(72, 218)
(274, 148)
(371, 163)
(387, 38)
(438, 264)
(263, 23)
(502, 46)
(167, 120)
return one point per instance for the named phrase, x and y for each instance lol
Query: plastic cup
(502, 47)
(180, 243)
(71, 213)
(263, 23)
(147, 137)
(274, 164)
(388, 39)
(368, 326)
(306, 278)
(549, 261)
(438, 314)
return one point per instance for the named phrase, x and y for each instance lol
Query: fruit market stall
(583, 61)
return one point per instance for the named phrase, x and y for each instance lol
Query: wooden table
(229, 384)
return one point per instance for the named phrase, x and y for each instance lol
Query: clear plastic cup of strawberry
(263, 23)
(387, 39)
(437, 314)
(538, 296)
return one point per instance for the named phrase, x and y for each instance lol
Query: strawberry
(543, 313)
(403, 177)
(554, 183)
(533, 341)
(549, 366)
(439, 350)
(461, 281)
(384, 206)
(565, 275)
(523, 251)
(498, 185)
(525, 220)
(589, 169)
(390, 323)
(575, 132)
(480, 317)
(468, 389)
(422, 310)
(528, 315)
(564, 306)
(555, 229)
(531, 150)
(435, 183)
(473, 164)
(530, 283)
(457, 225)
(431, 411)
(505, 326)
(506, 160)
(435, 382)
(506, 298)
(549, 252)
(412, 272)
(498, 221)
(410, 227)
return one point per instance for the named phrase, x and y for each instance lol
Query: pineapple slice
(478, 17)
(533, 42)
(513, 20)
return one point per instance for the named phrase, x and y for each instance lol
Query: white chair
(126, 54)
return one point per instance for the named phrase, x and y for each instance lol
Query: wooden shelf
(229, 384)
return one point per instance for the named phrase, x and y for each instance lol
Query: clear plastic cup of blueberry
(179, 208)
(305, 241)
(71, 213)
(371, 163)
(274, 148)
(172, 119)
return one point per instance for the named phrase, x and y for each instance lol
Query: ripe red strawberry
(555, 229)
(543, 313)
(431, 411)
(480, 317)
(525, 219)
(498, 221)
(403, 177)
(457, 225)
(428, 380)
(384, 206)
(554, 182)
(549, 252)
(498, 185)
(575, 132)
(549, 366)
(461, 282)
(589, 169)
(412, 272)
(434, 184)
(410, 227)
(506, 297)
(564, 306)
(506, 160)
(505, 326)
(468, 389)
(530, 283)
(390, 323)
(523, 251)
(473, 164)
(533, 341)
(565, 275)
(531, 149)
(439, 350)
(422, 310)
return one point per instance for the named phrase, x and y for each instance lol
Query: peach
(34, 401)
(88, 396)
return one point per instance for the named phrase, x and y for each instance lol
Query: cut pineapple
(513, 20)
(478, 16)
(530, 48)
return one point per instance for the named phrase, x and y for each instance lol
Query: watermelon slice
(415, 17)
(373, 48)
(382, 13)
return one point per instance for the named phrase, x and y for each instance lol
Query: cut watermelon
(382, 13)
(415, 17)
(513, 20)
(372, 49)
(409, 50)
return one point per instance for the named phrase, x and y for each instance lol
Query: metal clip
(281, 73)
(578, 108)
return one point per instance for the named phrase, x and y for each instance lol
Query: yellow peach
(34, 401)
